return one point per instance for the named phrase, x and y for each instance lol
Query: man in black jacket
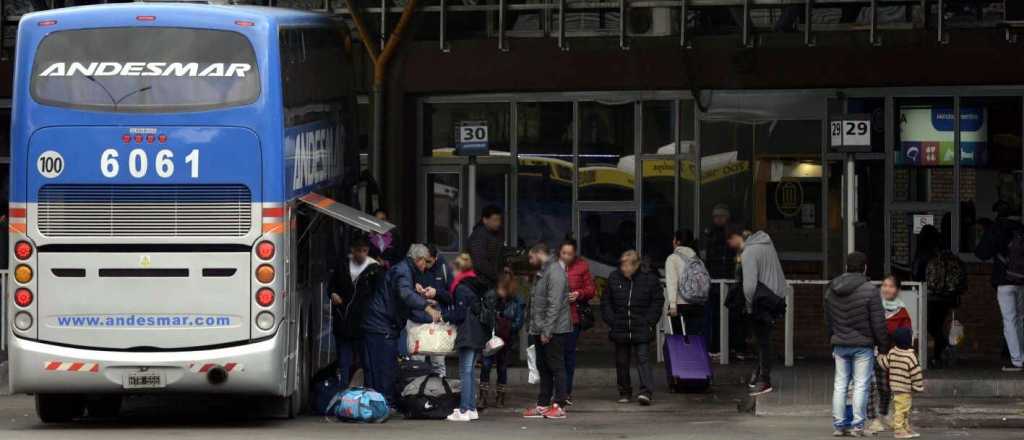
(351, 290)
(995, 246)
(855, 321)
(485, 246)
(632, 306)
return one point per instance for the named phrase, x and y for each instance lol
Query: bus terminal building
(619, 122)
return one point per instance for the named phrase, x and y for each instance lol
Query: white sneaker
(458, 416)
(472, 414)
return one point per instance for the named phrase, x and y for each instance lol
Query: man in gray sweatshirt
(764, 287)
(549, 324)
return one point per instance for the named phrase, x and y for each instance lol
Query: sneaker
(761, 388)
(458, 416)
(839, 433)
(555, 412)
(1010, 368)
(914, 434)
(857, 432)
(903, 434)
(876, 425)
(623, 399)
(472, 414)
(569, 402)
(644, 400)
(536, 412)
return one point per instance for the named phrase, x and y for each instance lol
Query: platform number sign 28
(850, 132)
(50, 164)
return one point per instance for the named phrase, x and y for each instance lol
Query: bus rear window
(150, 70)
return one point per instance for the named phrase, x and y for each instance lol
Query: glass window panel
(492, 189)
(787, 184)
(990, 172)
(606, 157)
(657, 210)
(604, 236)
(545, 173)
(659, 133)
(726, 151)
(444, 210)
(908, 249)
(923, 156)
(441, 120)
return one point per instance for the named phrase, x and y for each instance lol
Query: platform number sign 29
(471, 138)
(850, 133)
(50, 164)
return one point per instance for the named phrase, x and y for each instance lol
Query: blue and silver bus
(174, 170)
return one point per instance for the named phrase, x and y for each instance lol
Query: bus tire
(104, 407)
(59, 408)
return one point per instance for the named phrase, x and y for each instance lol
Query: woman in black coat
(632, 306)
(471, 334)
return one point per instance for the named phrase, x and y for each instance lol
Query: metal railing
(915, 294)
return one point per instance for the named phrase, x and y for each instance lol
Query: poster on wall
(927, 136)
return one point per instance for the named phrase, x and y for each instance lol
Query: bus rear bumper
(257, 369)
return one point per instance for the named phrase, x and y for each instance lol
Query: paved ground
(707, 416)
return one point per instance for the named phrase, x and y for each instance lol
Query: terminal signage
(471, 139)
(850, 133)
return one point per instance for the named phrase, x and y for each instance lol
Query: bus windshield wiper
(113, 101)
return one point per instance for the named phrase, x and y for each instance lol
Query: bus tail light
(22, 250)
(265, 250)
(23, 273)
(265, 297)
(265, 273)
(23, 297)
(244, 23)
(265, 321)
(23, 321)
(146, 18)
(46, 23)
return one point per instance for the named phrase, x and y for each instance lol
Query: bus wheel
(59, 408)
(104, 407)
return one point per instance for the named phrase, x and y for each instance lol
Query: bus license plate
(143, 380)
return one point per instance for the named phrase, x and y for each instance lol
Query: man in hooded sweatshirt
(764, 288)
(855, 320)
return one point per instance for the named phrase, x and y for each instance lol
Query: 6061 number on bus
(138, 163)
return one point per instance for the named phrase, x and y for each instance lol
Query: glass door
(442, 201)
(605, 233)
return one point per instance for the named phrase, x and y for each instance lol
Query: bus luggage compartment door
(139, 300)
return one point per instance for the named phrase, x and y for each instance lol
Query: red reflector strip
(80, 367)
(18, 227)
(273, 212)
(205, 368)
(17, 212)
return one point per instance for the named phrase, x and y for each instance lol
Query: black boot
(499, 396)
(482, 399)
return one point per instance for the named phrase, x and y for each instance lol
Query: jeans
(436, 363)
(691, 317)
(403, 342)
(570, 358)
(498, 361)
(856, 364)
(551, 366)
(467, 363)
(380, 363)
(347, 351)
(1011, 305)
(765, 355)
(641, 352)
(881, 395)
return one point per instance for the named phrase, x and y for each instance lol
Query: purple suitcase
(687, 363)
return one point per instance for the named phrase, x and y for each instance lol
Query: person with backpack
(946, 278)
(509, 313)
(687, 284)
(1003, 243)
(632, 306)
(352, 287)
(471, 334)
(764, 289)
(581, 290)
(855, 321)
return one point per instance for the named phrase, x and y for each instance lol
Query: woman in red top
(896, 317)
(581, 290)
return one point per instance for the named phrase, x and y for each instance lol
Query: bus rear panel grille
(144, 210)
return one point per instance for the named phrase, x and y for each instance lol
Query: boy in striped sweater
(904, 378)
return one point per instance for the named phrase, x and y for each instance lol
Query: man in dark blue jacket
(387, 314)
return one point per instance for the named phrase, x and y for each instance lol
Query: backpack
(323, 392)
(945, 276)
(419, 403)
(694, 281)
(1014, 258)
(360, 405)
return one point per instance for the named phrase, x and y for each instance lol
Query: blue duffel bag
(360, 405)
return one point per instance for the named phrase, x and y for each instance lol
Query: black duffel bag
(424, 405)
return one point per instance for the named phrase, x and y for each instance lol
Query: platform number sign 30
(50, 164)
(473, 133)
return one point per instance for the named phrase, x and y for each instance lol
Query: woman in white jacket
(675, 268)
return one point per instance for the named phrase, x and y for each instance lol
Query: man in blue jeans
(855, 321)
